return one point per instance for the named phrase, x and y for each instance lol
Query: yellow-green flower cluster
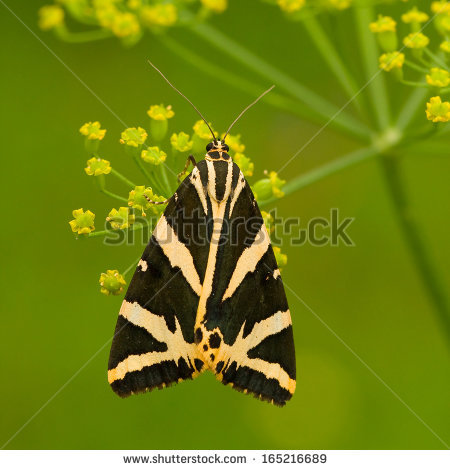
(269, 187)
(417, 45)
(120, 219)
(153, 155)
(83, 222)
(125, 19)
(140, 198)
(217, 6)
(133, 137)
(112, 282)
(181, 142)
(92, 131)
(97, 166)
(437, 110)
(50, 17)
(280, 257)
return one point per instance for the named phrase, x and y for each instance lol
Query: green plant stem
(115, 196)
(317, 174)
(415, 84)
(416, 67)
(328, 111)
(132, 265)
(436, 58)
(369, 51)
(414, 241)
(334, 61)
(83, 36)
(122, 178)
(413, 103)
(224, 75)
(444, 91)
(165, 179)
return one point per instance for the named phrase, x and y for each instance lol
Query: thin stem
(141, 166)
(415, 84)
(376, 85)
(165, 179)
(133, 265)
(83, 36)
(220, 73)
(414, 241)
(327, 110)
(416, 67)
(436, 58)
(122, 178)
(412, 105)
(115, 196)
(317, 174)
(332, 58)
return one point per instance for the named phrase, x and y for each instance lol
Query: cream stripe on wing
(238, 351)
(177, 253)
(197, 182)
(248, 260)
(177, 347)
(211, 179)
(237, 191)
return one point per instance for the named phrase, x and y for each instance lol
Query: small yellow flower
(153, 155)
(290, 6)
(438, 111)
(134, 137)
(414, 16)
(181, 142)
(134, 4)
(139, 199)
(218, 6)
(159, 15)
(392, 60)
(416, 41)
(96, 166)
(280, 257)
(268, 221)
(234, 142)
(93, 131)
(339, 4)
(50, 16)
(244, 164)
(201, 130)
(383, 24)
(440, 7)
(269, 187)
(106, 15)
(125, 24)
(83, 222)
(120, 219)
(438, 77)
(159, 112)
(445, 23)
(445, 46)
(111, 282)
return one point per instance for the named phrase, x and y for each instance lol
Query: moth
(207, 293)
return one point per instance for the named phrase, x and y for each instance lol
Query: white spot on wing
(143, 265)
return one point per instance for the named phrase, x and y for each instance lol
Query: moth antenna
(246, 109)
(186, 98)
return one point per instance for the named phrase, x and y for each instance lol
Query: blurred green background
(54, 318)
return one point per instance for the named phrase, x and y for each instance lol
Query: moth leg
(155, 202)
(189, 160)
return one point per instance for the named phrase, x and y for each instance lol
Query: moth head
(217, 145)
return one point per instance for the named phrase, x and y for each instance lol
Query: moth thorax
(219, 179)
